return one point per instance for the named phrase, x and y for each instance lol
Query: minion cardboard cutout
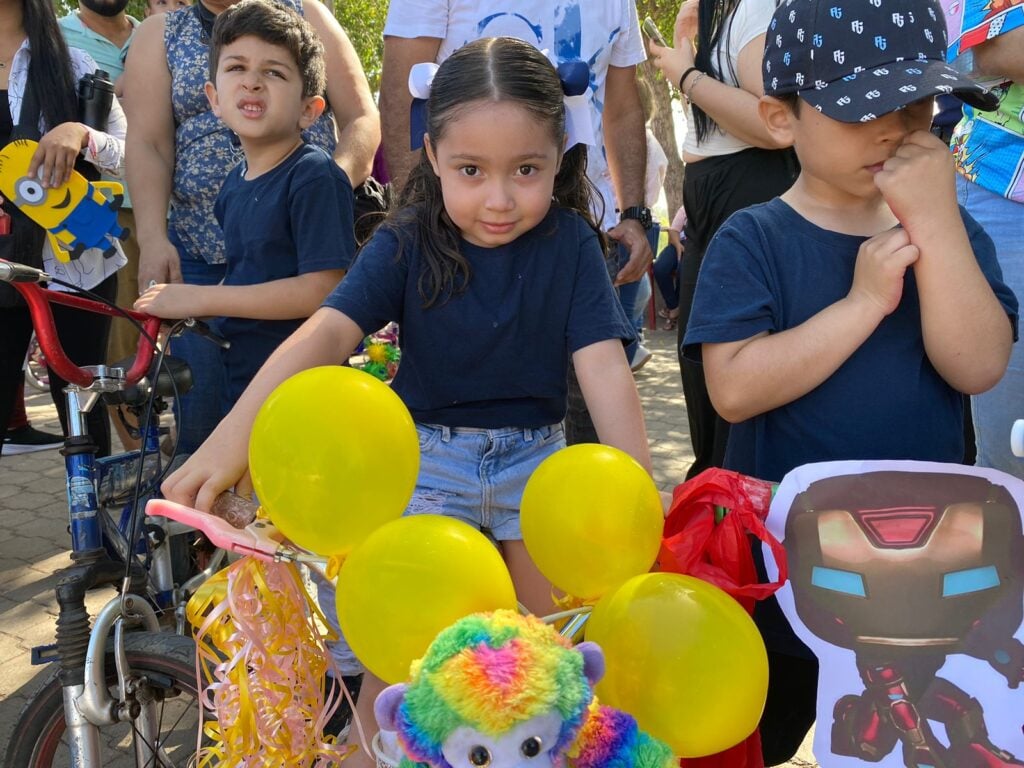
(76, 216)
(907, 581)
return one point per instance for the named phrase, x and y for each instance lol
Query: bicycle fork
(81, 650)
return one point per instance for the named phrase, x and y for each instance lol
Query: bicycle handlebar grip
(233, 508)
(19, 273)
(203, 329)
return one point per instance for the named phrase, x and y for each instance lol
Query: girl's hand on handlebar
(54, 159)
(172, 301)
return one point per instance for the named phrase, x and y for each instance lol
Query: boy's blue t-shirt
(769, 269)
(495, 355)
(291, 220)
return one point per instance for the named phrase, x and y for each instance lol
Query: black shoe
(28, 439)
(342, 717)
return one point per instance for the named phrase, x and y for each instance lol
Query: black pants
(84, 338)
(714, 189)
(579, 426)
(790, 708)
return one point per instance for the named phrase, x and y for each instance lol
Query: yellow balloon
(591, 518)
(684, 659)
(410, 579)
(333, 455)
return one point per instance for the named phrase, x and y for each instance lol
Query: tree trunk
(663, 127)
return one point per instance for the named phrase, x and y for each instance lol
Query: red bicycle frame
(39, 300)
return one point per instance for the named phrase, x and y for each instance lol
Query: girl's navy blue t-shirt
(496, 354)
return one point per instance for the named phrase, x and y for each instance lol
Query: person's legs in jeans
(640, 305)
(666, 272)
(200, 410)
(995, 411)
(628, 295)
(15, 332)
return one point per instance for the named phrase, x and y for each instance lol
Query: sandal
(671, 317)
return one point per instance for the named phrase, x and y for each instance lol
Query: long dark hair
(50, 68)
(492, 69)
(714, 24)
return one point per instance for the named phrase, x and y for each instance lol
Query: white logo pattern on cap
(878, 25)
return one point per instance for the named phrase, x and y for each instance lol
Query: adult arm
(150, 151)
(59, 148)
(222, 461)
(675, 241)
(966, 331)
(613, 401)
(349, 95)
(289, 298)
(1002, 56)
(625, 144)
(733, 109)
(400, 54)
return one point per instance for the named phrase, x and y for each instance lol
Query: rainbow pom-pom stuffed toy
(500, 690)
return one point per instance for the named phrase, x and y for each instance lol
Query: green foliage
(663, 12)
(363, 21)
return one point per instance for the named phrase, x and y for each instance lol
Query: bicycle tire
(37, 379)
(38, 738)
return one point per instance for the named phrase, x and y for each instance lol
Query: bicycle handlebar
(25, 280)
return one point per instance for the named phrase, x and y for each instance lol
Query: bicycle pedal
(44, 654)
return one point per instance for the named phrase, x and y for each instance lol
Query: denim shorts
(478, 475)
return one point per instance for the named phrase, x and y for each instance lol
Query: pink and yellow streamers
(264, 660)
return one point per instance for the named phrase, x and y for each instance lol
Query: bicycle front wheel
(36, 375)
(162, 663)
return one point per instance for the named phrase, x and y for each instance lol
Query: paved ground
(33, 520)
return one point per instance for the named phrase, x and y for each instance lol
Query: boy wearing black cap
(843, 319)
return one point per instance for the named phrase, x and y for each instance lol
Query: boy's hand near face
(882, 263)
(918, 183)
(965, 329)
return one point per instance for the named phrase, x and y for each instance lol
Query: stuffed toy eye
(531, 747)
(479, 756)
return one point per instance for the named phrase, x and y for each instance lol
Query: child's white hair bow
(574, 75)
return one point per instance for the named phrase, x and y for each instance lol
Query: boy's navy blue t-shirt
(769, 269)
(291, 220)
(495, 355)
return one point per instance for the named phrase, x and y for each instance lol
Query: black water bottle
(95, 96)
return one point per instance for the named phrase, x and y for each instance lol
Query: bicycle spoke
(159, 754)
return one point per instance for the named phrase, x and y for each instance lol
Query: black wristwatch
(640, 213)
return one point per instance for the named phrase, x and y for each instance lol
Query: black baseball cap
(855, 60)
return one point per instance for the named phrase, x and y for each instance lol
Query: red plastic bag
(700, 542)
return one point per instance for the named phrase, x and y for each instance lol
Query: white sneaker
(641, 356)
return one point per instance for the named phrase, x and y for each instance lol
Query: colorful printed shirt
(603, 34)
(205, 150)
(989, 146)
